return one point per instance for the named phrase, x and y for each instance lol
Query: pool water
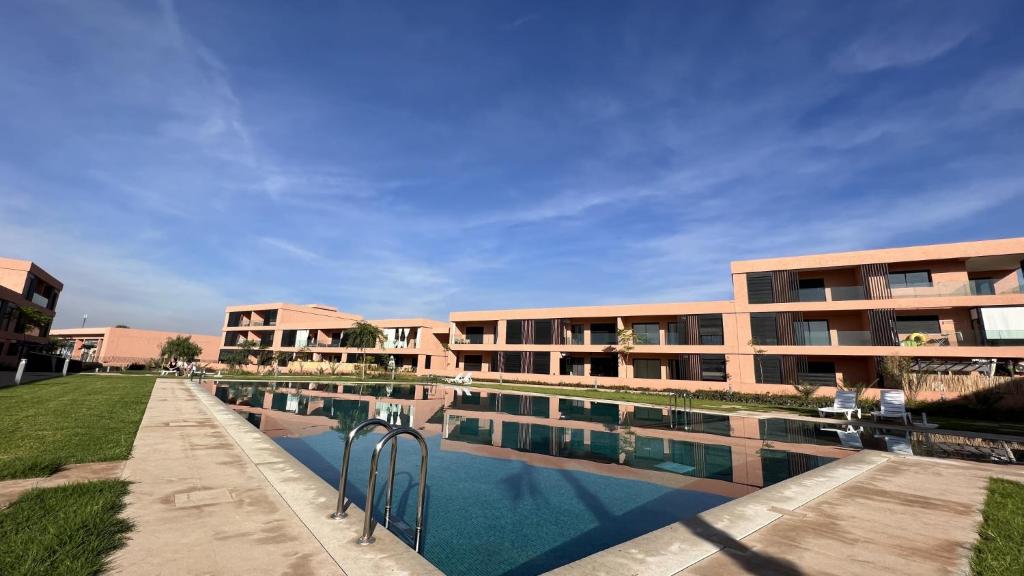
(520, 484)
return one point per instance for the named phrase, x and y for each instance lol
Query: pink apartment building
(316, 333)
(123, 347)
(956, 309)
(23, 284)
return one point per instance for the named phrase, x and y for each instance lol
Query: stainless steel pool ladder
(391, 436)
(686, 401)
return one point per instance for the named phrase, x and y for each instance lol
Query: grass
(968, 425)
(1000, 549)
(644, 398)
(68, 530)
(81, 418)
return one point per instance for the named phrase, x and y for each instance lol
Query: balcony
(831, 294)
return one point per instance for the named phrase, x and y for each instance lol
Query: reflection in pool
(524, 483)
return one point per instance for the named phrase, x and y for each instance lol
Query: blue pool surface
(502, 517)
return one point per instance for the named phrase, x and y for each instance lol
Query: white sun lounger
(894, 406)
(845, 403)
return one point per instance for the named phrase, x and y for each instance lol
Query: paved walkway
(907, 516)
(212, 495)
(10, 490)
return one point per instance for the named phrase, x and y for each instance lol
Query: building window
(288, 338)
(542, 332)
(759, 288)
(767, 369)
(513, 362)
(234, 319)
(922, 324)
(266, 338)
(603, 334)
(607, 366)
(764, 328)
(514, 332)
(649, 368)
(475, 334)
(270, 318)
(672, 337)
(542, 363)
(577, 335)
(812, 290)
(473, 363)
(711, 329)
(812, 333)
(646, 334)
(712, 367)
(820, 372)
(983, 286)
(571, 366)
(910, 279)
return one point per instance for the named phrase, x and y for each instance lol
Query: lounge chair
(894, 405)
(457, 379)
(167, 371)
(845, 403)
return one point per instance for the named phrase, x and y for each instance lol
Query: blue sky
(165, 159)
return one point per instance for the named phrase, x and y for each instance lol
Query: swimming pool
(524, 483)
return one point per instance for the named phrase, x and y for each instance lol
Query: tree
(248, 348)
(627, 342)
(182, 348)
(363, 335)
(122, 326)
(30, 318)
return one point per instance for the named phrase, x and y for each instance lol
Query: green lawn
(81, 418)
(643, 398)
(68, 530)
(1000, 549)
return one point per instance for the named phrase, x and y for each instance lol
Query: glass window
(759, 288)
(647, 368)
(812, 289)
(646, 334)
(542, 363)
(922, 324)
(711, 330)
(768, 369)
(813, 333)
(475, 334)
(604, 366)
(577, 334)
(571, 366)
(764, 329)
(910, 279)
(514, 332)
(712, 367)
(473, 363)
(234, 319)
(513, 362)
(672, 336)
(603, 334)
(983, 286)
(542, 332)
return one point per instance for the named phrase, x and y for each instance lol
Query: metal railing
(391, 436)
(368, 523)
(684, 399)
(340, 512)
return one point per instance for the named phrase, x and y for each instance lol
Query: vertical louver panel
(528, 331)
(882, 324)
(692, 329)
(759, 288)
(785, 285)
(785, 323)
(876, 281)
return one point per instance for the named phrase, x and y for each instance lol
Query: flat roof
(956, 250)
(30, 266)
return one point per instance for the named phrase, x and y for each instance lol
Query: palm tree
(363, 335)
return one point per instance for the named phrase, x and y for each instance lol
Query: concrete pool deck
(213, 495)
(872, 513)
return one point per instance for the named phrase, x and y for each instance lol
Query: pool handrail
(340, 513)
(367, 537)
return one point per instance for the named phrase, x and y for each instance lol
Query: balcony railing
(831, 294)
(941, 289)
